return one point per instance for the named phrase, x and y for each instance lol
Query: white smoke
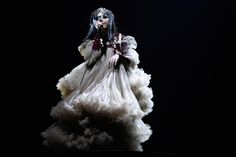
(97, 133)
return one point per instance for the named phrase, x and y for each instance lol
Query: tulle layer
(102, 105)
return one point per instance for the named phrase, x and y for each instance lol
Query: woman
(108, 89)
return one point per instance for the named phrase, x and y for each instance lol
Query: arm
(85, 49)
(129, 57)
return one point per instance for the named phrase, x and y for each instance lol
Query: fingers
(112, 62)
(115, 61)
(97, 25)
(109, 63)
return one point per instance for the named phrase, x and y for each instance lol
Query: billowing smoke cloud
(97, 133)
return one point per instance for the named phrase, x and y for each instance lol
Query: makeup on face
(101, 20)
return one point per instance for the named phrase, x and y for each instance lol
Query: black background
(181, 43)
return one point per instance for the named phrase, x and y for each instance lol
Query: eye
(105, 17)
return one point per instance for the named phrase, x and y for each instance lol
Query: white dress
(120, 93)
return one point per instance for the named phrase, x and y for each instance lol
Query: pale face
(101, 20)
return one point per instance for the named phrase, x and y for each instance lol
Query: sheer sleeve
(85, 49)
(129, 45)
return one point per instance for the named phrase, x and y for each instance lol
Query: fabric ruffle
(120, 95)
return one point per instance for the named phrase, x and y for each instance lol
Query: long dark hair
(111, 25)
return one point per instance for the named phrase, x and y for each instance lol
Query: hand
(113, 60)
(98, 25)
